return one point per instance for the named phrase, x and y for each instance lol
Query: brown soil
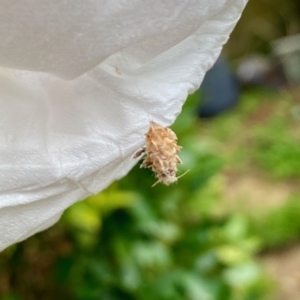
(284, 267)
(253, 192)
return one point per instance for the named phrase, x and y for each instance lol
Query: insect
(161, 153)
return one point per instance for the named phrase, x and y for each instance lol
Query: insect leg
(139, 152)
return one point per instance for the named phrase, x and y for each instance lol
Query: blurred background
(230, 228)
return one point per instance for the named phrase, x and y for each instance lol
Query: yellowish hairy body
(161, 153)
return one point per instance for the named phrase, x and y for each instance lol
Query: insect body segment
(161, 152)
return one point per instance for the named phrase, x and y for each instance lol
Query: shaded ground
(284, 267)
(253, 192)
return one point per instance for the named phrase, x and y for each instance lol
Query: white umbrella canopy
(79, 83)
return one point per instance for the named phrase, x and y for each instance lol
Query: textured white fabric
(79, 83)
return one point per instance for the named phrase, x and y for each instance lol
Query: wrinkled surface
(79, 83)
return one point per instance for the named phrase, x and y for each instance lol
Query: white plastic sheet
(79, 83)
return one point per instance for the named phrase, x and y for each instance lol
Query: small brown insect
(161, 153)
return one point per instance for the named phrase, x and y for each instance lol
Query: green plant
(278, 227)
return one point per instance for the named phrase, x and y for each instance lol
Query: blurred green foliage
(281, 225)
(260, 138)
(133, 241)
(278, 152)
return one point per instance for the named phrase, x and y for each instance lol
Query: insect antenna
(183, 174)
